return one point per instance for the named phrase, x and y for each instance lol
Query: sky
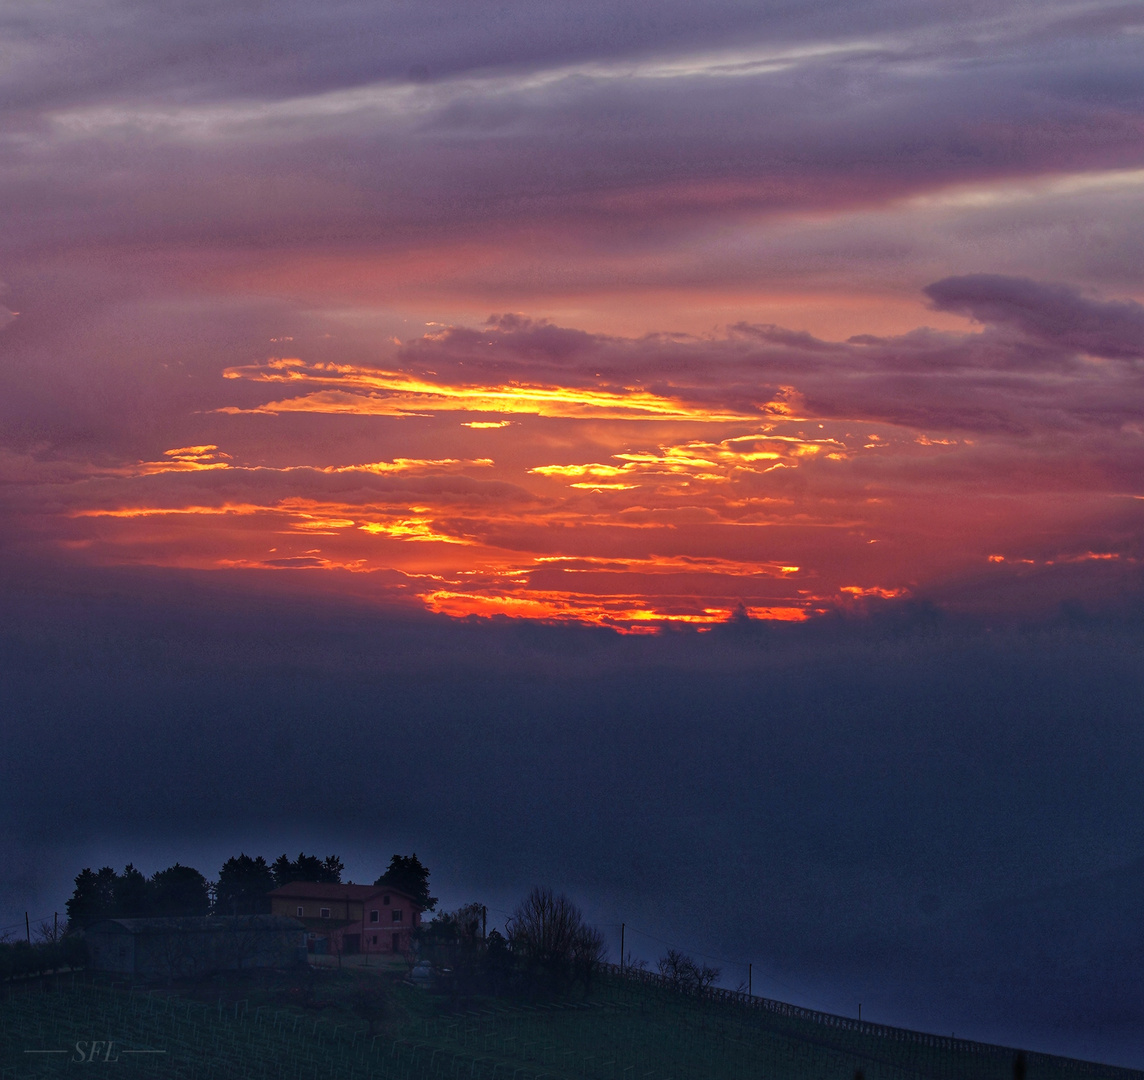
(491, 332)
(624, 314)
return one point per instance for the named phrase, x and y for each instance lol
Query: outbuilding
(180, 948)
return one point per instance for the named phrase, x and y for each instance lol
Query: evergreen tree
(407, 873)
(132, 894)
(94, 897)
(307, 868)
(243, 884)
(180, 890)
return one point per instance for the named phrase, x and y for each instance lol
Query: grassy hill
(334, 1028)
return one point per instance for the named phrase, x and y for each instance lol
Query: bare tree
(335, 943)
(47, 933)
(684, 973)
(708, 976)
(548, 936)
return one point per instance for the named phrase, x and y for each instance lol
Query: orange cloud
(186, 459)
(373, 392)
(410, 529)
(627, 614)
(695, 460)
(406, 465)
(861, 591)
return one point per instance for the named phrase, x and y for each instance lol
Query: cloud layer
(544, 471)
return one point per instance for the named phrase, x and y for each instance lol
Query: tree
(498, 963)
(708, 976)
(632, 964)
(179, 890)
(684, 973)
(454, 941)
(132, 895)
(94, 897)
(588, 953)
(327, 871)
(548, 935)
(407, 873)
(243, 885)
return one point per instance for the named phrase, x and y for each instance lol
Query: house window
(374, 916)
(397, 914)
(385, 899)
(325, 913)
(299, 911)
(397, 943)
(374, 942)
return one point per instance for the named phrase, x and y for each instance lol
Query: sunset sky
(622, 445)
(616, 313)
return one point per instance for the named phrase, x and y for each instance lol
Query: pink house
(350, 919)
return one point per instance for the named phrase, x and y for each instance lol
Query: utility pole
(56, 927)
(27, 928)
(859, 1011)
(750, 993)
(621, 948)
(484, 922)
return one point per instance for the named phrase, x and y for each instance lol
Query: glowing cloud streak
(390, 393)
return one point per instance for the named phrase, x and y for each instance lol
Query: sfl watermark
(96, 1051)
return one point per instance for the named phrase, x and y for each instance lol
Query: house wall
(373, 940)
(378, 937)
(340, 909)
(353, 918)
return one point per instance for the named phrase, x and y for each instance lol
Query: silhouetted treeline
(48, 948)
(241, 889)
(100, 894)
(21, 958)
(304, 868)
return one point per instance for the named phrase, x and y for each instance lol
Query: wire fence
(813, 1022)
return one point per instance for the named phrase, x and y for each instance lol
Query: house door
(397, 943)
(351, 944)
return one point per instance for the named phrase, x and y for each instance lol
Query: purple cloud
(1058, 315)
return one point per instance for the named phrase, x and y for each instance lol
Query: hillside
(624, 1030)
